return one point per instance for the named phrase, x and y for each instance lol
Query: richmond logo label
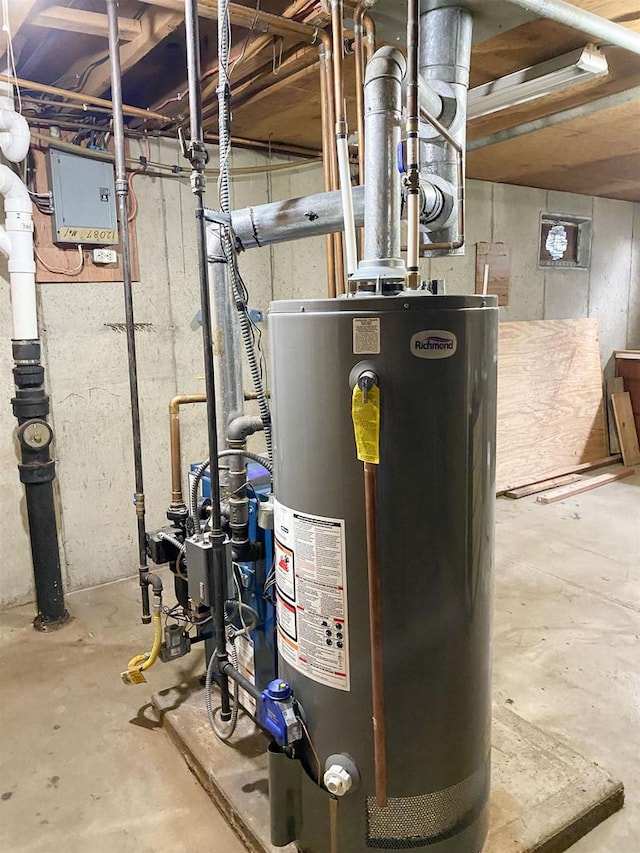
(433, 343)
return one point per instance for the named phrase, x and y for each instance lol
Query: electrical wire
(6, 28)
(177, 171)
(61, 270)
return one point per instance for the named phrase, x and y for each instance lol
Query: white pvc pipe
(583, 21)
(14, 135)
(18, 239)
(347, 205)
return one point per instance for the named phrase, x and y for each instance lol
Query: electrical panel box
(84, 200)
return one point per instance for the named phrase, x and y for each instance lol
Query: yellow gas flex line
(140, 663)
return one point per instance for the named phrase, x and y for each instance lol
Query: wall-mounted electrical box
(84, 200)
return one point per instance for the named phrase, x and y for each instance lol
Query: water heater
(434, 358)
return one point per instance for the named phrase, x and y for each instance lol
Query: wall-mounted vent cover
(565, 241)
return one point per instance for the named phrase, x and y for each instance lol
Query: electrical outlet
(105, 256)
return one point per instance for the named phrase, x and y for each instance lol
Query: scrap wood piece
(561, 472)
(550, 400)
(614, 386)
(627, 435)
(585, 485)
(543, 486)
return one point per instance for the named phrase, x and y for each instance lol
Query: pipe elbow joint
(242, 427)
(387, 61)
(15, 137)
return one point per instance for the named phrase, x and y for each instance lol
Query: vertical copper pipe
(340, 118)
(174, 443)
(359, 73)
(358, 51)
(327, 144)
(333, 162)
(334, 844)
(370, 29)
(375, 632)
(337, 30)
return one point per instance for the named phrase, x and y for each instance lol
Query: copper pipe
(375, 632)
(177, 499)
(84, 98)
(333, 163)
(337, 30)
(340, 120)
(327, 141)
(370, 29)
(359, 73)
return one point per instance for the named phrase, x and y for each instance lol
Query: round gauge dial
(36, 434)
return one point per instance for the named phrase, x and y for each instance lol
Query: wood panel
(627, 435)
(550, 402)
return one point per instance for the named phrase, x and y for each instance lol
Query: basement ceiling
(585, 139)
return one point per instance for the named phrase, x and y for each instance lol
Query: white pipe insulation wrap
(14, 135)
(18, 239)
(347, 205)
(583, 21)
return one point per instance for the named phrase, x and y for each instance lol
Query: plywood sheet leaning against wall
(550, 402)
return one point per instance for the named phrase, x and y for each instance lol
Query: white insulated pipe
(17, 238)
(583, 21)
(350, 245)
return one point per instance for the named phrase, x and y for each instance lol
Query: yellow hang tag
(133, 676)
(366, 424)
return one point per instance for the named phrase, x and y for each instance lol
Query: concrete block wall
(86, 361)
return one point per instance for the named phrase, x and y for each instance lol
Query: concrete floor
(85, 767)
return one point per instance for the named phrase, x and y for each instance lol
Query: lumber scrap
(543, 486)
(614, 386)
(561, 472)
(626, 427)
(550, 400)
(585, 485)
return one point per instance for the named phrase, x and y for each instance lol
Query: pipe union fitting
(337, 780)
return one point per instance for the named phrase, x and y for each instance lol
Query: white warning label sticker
(366, 335)
(313, 632)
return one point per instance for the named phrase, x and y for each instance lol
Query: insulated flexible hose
(140, 663)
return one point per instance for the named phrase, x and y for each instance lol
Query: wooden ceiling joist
(85, 22)
(155, 25)
(248, 17)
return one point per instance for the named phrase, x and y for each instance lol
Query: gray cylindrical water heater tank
(435, 359)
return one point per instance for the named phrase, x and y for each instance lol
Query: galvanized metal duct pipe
(382, 195)
(226, 335)
(293, 219)
(583, 21)
(445, 56)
